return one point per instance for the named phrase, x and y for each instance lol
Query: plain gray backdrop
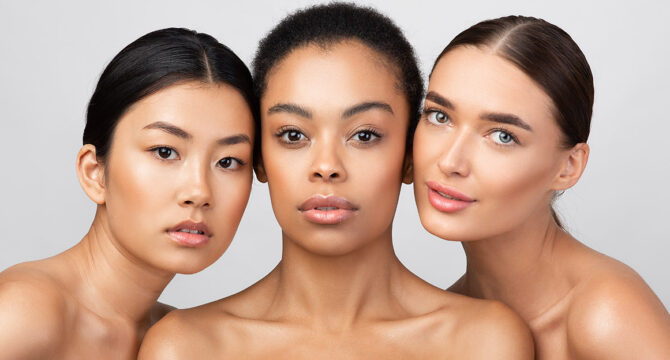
(52, 53)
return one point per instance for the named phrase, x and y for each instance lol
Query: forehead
(474, 77)
(341, 73)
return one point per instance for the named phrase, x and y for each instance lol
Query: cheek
(231, 194)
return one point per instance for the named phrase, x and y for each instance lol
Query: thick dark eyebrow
(170, 129)
(440, 100)
(291, 109)
(356, 109)
(234, 139)
(506, 119)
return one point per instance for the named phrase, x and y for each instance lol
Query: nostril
(334, 175)
(188, 202)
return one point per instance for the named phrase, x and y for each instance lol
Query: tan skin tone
(334, 123)
(176, 155)
(578, 303)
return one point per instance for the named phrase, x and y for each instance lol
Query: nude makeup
(446, 199)
(327, 210)
(190, 234)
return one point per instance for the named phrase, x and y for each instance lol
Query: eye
(366, 136)
(503, 137)
(290, 135)
(229, 163)
(165, 153)
(437, 117)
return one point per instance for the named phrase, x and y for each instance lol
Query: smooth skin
(183, 153)
(334, 123)
(578, 303)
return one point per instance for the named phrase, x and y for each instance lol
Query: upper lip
(436, 186)
(326, 201)
(192, 225)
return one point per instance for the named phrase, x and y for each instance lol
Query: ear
(408, 168)
(259, 169)
(91, 174)
(572, 167)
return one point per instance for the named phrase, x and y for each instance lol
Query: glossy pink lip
(446, 199)
(190, 234)
(327, 210)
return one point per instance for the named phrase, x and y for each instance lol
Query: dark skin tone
(339, 290)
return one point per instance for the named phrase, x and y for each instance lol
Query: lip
(327, 210)
(188, 239)
(453, 201)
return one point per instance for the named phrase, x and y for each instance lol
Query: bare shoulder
(488, 329)
(176, 336)
(34, 313)
(615, 315)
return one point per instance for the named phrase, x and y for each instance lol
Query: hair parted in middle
(325, 25)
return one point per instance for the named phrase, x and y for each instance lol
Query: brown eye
(229, 163)
(291, 136)
(165, 153)
(438, 117)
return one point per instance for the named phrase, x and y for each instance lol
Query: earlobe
(408, 169)
(91, 174)
(259, 169)
(573, 167)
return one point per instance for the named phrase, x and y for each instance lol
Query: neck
(521, 268)
(335, 292)
(115, 284)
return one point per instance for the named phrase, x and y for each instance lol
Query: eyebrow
(362, 107)
(170, 129)
(174, 130)
(234, 139)
(440, 100)
(291, 109)
(506, 119)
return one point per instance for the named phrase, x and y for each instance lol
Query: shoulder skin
(617, 316)
(33, 314)
(176, 336)
(497, 332)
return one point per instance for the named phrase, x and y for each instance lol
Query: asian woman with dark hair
(167, 155)
(340, 91)
(506, 120)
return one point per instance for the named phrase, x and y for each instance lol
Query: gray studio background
(52, 53)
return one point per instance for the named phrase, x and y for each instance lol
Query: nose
(327, 164)
(454, 160)
(195, 190)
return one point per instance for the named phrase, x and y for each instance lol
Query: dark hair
(550, 57)
(153, 62)
(325, 25)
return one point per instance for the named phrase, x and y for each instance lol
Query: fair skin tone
(182, 154)
(334, 124)
(488, 136)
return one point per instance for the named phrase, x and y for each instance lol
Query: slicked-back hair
(153, 62)
(325, 25)
(550, 57)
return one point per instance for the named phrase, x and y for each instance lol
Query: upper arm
(33, 320)
(619, 319)
(499, 333)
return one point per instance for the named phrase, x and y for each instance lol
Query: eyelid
(153, 150)
(515, 139)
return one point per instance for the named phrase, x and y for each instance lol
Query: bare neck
(335, 292)
(522, 268)
(115, 284)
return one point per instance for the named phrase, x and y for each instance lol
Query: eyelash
(370, 130)
(155, 149)
(515, 140)
(429, 111)
(279, 134)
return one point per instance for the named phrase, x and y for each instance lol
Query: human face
(487, 149)
(334, 125)
(180, 160)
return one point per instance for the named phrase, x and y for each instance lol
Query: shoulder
(492, 330)
(615, 315)
(33, 313)
(188, 333)
(483, 329)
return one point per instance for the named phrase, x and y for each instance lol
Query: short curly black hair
(325, 25)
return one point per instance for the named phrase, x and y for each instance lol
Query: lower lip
(188, 239)
(328, 217)
(443, 204)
